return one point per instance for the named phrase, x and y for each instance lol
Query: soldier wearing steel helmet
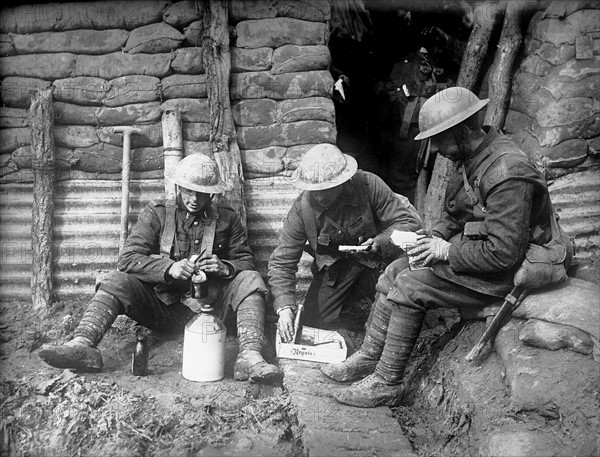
(496, 203)
(339, 206)
(152, 282)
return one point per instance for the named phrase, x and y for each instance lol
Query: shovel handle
(297, 322)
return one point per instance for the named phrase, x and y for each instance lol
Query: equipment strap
(168, 235)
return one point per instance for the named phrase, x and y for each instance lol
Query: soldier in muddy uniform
(152, 283)
(496, 204)
(339, 206)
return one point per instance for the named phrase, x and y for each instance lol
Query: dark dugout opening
(387, 58)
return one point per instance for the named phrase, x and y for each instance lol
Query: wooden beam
(217, 64)
(41, 121)
(502, 69)
(486, 15)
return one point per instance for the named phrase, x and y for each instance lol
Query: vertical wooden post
(41, 121)
(485, 19)
(501, 72)
(172, 146)
(217, 65)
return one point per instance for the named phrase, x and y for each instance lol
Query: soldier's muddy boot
(372, 391)
(250, 363)
(385, 386)
(357, 366)
(363, 362)
(80, 353)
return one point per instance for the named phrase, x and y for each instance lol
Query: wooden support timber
(41, 121)
(502, 69)
(217, 64)
(486, 15)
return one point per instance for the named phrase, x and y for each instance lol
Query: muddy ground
(50, 412)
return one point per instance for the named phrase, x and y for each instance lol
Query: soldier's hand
(429, 250)
(373, 247)
(182, 269)
(285, 324)
(212, 264)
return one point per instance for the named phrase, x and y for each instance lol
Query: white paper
(403, 239)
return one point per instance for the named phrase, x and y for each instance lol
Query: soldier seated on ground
(339, 206)
(473, 252)
(152, 283)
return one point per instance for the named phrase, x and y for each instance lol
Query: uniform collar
(188, 218)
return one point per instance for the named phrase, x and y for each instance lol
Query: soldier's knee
(386, 280)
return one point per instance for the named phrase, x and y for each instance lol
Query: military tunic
(343, 223)
(142, 284)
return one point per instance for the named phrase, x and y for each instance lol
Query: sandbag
(82, 90)
(7, 47)
(567, 111)
(117, 64)
(266, 161)
(197, 147)
(306, 109)
(14, 138)
(562, 87)
(64, 158)
(15, 91)
(102, 15)
(42, 66)
(260, 111)
(188, 61)
(131, 89)
(575, 303)
(316, 10)
(560, 31)
(75, 136)
(278, 87)
(184, 86)
(548, 52)
(13, 118)
(137, 113)
(182, 13)
(561, 9)
(288, 134)
(551, 136)
(193, 34)
(153, 39)
(279, 31)
(258, 59)
(91, 42)
(568, 153)
(546, 335)
(7, 166)
(290, 58)
(195, 131)
(265, 111)
(106, 158)
(192, 109)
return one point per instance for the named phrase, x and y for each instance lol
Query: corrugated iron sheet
(87, 217)
(87, 224)
(268, 201)
(576, 198)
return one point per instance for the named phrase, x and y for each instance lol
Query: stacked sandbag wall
(109, 64)
(554, 114)
(281, 87)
